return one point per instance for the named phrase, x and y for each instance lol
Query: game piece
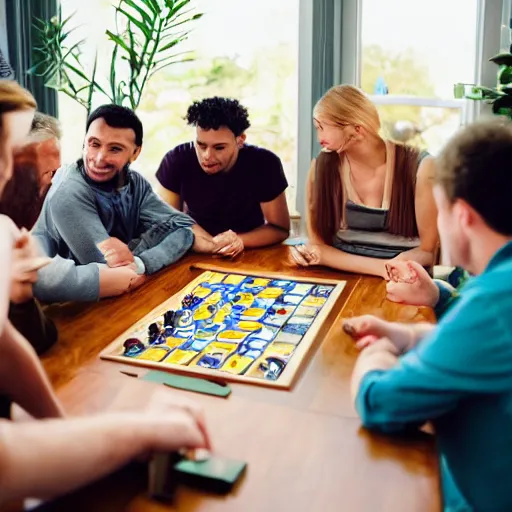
(252, 328)
(133, 346)
(162, 480)
(215, 474)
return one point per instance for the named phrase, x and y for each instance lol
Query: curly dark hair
(212, 113)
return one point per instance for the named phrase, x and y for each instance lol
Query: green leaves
(145, 37)
(150, 36)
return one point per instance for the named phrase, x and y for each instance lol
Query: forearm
(63, 280)
(416, 333)
(115, 281)
(47, 458)
(335, 258)
(6, 251)
(203, 241)
(22, 377)
(422, 256)
(175, 245)
(368, 361)
(263, 236)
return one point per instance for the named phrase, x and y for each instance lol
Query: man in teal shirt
(458, 374)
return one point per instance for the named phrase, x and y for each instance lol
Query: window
(412, 54)
(246, 50)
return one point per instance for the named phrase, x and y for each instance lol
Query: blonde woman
(369, 199)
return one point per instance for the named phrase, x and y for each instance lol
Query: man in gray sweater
(103, 224)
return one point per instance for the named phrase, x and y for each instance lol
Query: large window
(245, 50)
(412, 54)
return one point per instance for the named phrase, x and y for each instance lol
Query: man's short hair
(44, 127)
(117, 116)
(476, 166)
(212, 113)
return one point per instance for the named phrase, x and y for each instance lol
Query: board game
(248, 327)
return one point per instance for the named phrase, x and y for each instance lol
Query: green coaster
(215, 474)
(195, 384)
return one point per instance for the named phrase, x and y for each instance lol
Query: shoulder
(68, 184)
(136, 178)
(183, 152)
(260, 155)
(426, 169)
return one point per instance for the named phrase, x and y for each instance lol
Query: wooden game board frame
(297, 361)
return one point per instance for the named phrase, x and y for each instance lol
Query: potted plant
(500, 96)
(145, 41)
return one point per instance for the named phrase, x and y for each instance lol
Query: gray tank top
(364, 229)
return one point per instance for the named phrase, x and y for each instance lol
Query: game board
(248, 327)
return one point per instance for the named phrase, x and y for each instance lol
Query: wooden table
(305, 448)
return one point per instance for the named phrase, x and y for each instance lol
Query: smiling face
(107, 150)
(217, 150)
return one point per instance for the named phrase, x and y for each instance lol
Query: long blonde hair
(344, 105)
(14, 97)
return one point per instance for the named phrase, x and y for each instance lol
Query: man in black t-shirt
(231, 189)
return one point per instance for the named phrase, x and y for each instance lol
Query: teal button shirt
(460, 378)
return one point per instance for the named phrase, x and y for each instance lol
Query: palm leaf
(145, 16)
(147, 31)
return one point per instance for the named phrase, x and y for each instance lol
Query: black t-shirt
(225, 200)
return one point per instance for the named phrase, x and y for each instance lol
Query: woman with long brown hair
(369, 200)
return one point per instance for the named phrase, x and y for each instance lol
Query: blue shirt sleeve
(447, 294)
(469, 352)
(168, 233)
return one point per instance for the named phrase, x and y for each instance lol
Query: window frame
(321, 68)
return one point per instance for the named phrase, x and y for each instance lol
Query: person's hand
(115, 252)
(409, 283)
(368, 329)
(165, 400)
(228, 244)
(119, 280)
(26, 261)
(305, 255)
(7, 227)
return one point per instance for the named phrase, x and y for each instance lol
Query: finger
(363, 325)
(200, 419)
(226, 250)
(366, 341)
(393, 292)
(26, 277)
(418, 270)
(298, 257)
(22, 240)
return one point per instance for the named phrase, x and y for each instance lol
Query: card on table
(215, 474)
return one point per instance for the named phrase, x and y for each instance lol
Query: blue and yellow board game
(242, 327)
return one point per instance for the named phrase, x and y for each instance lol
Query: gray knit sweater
(78, 214)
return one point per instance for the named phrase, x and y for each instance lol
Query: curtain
(21, 40)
